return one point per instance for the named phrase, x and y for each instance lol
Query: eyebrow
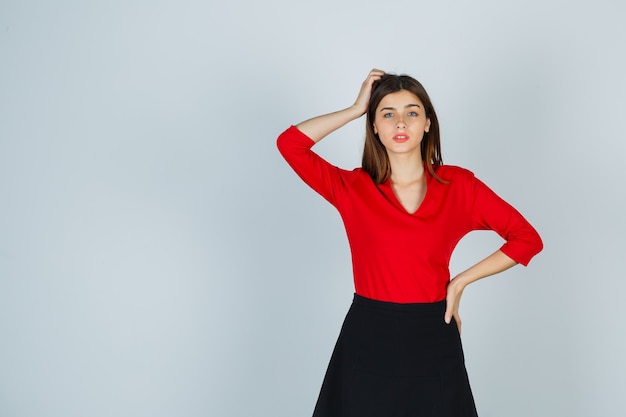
(406, 107)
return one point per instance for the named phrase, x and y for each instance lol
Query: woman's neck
(406, 169)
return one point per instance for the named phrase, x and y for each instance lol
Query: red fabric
(402, 257)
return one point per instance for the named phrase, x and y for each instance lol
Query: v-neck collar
(387, 191)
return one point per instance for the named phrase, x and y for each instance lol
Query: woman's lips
(401, 137)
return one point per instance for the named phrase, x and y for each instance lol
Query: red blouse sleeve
(328, 180)
(490, 212)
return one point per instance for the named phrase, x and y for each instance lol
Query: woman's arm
(319, 127)
(493, 264)
(490, 212)
(296, 142)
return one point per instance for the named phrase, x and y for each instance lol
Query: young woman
(399, 351)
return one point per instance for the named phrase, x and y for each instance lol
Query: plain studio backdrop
(159, 258)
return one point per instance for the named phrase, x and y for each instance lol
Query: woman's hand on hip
(453, 300)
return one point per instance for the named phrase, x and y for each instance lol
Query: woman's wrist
(354, 112)
(461, 281)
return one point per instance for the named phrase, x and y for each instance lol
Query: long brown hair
(375, 159)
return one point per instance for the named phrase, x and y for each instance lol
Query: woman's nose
(400, 123)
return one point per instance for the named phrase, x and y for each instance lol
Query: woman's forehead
(400, 98)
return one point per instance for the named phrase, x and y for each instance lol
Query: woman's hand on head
(318, 127)
(363, 98)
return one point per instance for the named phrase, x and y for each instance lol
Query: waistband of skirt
(435, 307)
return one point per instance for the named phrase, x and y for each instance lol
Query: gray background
(158, 258)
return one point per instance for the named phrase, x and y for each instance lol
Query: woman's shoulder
(452, 172)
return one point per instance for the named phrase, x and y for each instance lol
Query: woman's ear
(427, 128)
(375, 130)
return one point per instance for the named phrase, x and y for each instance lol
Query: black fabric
(396, 360)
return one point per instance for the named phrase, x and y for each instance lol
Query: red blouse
(402, 257)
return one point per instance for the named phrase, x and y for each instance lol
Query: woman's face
(400, 122)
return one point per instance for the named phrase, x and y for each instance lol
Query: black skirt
(395, 360)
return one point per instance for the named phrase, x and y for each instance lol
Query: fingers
(373, 76)
(452, 311)
(453, 299)
(449, 313)
(366, 89)
(452, 306)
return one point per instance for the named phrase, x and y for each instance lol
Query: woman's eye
(387, 115)
(412, 114)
